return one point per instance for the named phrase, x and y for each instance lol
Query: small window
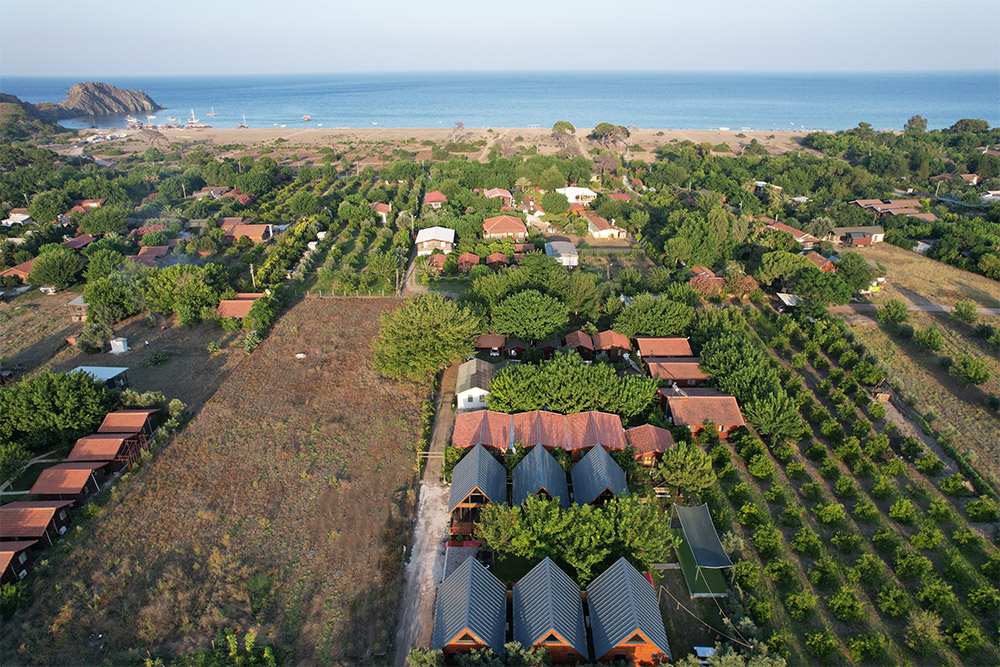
(720, 429)
(636, 639)
(466, 639)
(62, 514)
(471, 399)
(551, 639)
(22, 558)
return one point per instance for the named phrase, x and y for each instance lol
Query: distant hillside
(21, 121)
(98, 99)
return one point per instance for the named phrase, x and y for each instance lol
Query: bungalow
(120, 449)
(71, 481)
(242, 197)
(600, 228)
(152, 255)
(857, 236)
(548, 347)
(649, 442)
(582, 342)
(625, 620)
(42, 520)
(467, 260)
(430, 239)
(821, 262)
(141, 422)
(437, 262)
(17, 216)
(574, 433)
(256, 233)
(564, 252)
(663, 346)
(577, 195)
(548, 612)
(538, 473)
(477, 480)
(382, 210)
(492, 342)
(114, 377)
(620, 196)
(238, 307)
(15, 560)
(497, 261)
(470, 611)
(807, 241)
(612, 344)
(597, 478)
(20, 271)
(516, 347)
(435, 199)
(696, 407)
(79, 242)
(473, 385)
(504, 227)
(505, 197)
(677, 371)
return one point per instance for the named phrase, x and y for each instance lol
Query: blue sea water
(511, 99)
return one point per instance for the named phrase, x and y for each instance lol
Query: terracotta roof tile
(65, 479)
(667, 346)
(649, 439)
(28, 519)
(125, 421)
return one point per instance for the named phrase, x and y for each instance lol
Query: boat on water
(150, 117)
(306, 118)
(131, 119)
(243, 125)
(212, 113)
(171, 118)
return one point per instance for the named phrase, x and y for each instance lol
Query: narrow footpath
(427, 550)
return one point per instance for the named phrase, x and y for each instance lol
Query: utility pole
(253, 277)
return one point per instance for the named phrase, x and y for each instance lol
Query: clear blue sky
(118, 37)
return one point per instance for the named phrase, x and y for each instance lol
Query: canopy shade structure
(701, 553)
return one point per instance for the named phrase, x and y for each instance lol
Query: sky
(188, 37)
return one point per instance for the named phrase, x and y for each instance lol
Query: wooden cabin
(582, 342)
(680, 371)
(538, 473)
(697, 407)
(42, 520)
(470, 612)
(597, 478)
(15, 560)
(548, 612)
(625, 620)
(141, 422)
(72, 481)
(612, 344)
(650, 443)
(477, 480)
(117, 449)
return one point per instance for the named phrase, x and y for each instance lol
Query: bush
(927, 538)
(747, 574)
(825, 573)
(846, 488)
(811, 490)
(930, 465)
(923, 631)
(845, 542)
(965, 311)
(911, 565)
(778, 494)
(784, 453)
(865, 511)
(885, 539)
(807, 542)
(822, 644)
(966, 636)
(767, 541)
(801, 606)
(876, 411)
(829, 469)
(903, 511)
(929, 339)
(830, 514)
(868, 647)
(912, 447)
(868, 570)
(12, 597)
(894, 601)
(761, 467)
(972, 370)
(796, 470)
(936, 595)
(783, 573)
(985, 599)
(940, 510)
(752, 515)
(966, 537)
(791, 515)
(213, 347)
(983, 510)
(252, 341)
(845, 606)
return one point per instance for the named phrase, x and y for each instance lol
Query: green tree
(530, 315)
(303, 203)
(425, 657)
(929, 339)
(105, 220)
(652, 316)
(776, 417)
(782, 265)
(103, 263)
(59, 267)
(892, 312)
(563, 127)
(965, 311)
(855, 271)
(385, 265)
(425, 335)
(554, 203)
(687, 468)
(968, 369)
(228, 650)
(46, 206)
(916, 124)
(113, 297)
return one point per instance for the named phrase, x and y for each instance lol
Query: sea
(664, 100)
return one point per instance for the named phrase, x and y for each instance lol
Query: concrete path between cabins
(427, 549)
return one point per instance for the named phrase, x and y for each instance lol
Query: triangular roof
(504, 224)
(497, 192)
(580, 339)
(547, 601)
(664, 346)
(649, 439)
(623, 603)
(587, 429)
(695, 408)
(596, 473)
(701, 536)
(539, 427)
(435, 197)
(538, 471)
(474, 374)
(478, 470)
(676, 368)
(10, 548)
(609, 339)
(444, 234)
(470, 600)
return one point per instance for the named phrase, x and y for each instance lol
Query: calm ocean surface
(496, 99)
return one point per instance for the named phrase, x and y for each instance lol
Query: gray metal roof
(595, 473)
(475, 373)
(701, 536)
(478, 470)
(471, 599)
(101, 373)
(539, 470)
(622, 603)
(547, 600)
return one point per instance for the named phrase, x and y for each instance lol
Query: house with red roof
(256, 233)
(575, 433)
(620, 196)
(15, 560)
(821, 262)
(20, 271)
(806, 240)
(73, 480)
(505, 227)
(240, 196)
(79, 242)
(467, 260)
(663, 346)
(505, 197)
(582, 342)
(238, 307)
(41, 520)
(435, 199)
(650, 443)
(600, 228)
(694, 408)
(383, 210)
(152, 255)
(497, 261)
(612, 344)
(679, 371)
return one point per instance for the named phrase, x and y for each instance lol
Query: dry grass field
(284, 506)
(915, 277)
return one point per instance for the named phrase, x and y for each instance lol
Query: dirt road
(427, 550)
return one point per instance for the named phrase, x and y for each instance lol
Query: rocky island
(98, 99)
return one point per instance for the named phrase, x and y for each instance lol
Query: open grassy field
(34, 327)
(284, 505)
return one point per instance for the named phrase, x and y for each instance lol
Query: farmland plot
(283, 506)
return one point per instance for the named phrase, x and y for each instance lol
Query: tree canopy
(530, 315)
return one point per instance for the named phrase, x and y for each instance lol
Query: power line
(697, 618)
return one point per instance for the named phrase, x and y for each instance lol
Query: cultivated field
(284, 506)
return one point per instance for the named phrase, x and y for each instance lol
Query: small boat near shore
(213, 114)
(306, 118)
(243, 125)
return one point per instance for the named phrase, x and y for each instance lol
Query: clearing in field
(283, 506)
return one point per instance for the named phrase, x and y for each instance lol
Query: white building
(17, 219)
(435, 238)
(564, 252)
(578, 195)
(473, 385)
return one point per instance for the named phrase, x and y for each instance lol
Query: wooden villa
(539, 474)
(597, 478)
(650, 443)
(141, 422)
(15, 560)
(72, 481)
(477, 480)
(42, 520)
(116, 449)
(625, 620)
(470, 611)
(548, 612)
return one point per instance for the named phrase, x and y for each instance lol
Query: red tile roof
(28, 519)
(587, 429)
(497, 258)
(65, 479)
(98, 447)
(580, 339)
(649, 439)
(620, 196)
(468, 258)
(707, 405)
(664, 346)
(125, 421)
(798, 234)
(436, 197)
(599, 223)
(22, 270)
(539, 428)
(239, 307)
(381, 208)
(702, 271)
(256, 233)
(484, 427)
(819, 260)
(490, 341)
(437, 260)
(609, 340)
(675, 369)
(79, 242)
(10, 548)
(504, 224)
(577, 431)
(497, 192)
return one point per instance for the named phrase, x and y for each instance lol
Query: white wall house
(473, 385)
(577, 195)
(564, 252)
(435, 238)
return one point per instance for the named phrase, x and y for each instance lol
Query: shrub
(832, 430)
(959, 571)
(936, 595)
(778, 494)
(965, 311)
(829, 469)
(971, 370)
(747, 574)
(893, 468)
(923, 631)
(796, 470)
(807, 542)
(251, 341)
(983, 510)
(966, 636)
(761, 467)
(830, 514)
(811, 490)
(825, 573)
(911, 565)
(845, 606)
(868, 570)
(876, 411)
(752, 515)
(903, 511)
(877, 445)
(893, 600)
(965, 537)
(885, 539)
(929, 339)
(801, 606)
(816, 451)
(12, 596)
(864, 468)
(867, 647)
(930, 465)
(782, 572)
(767, 541)
(784, 453)
(985, 599)
(845, 542)
(940, 510)
(791, 515)
(739, 493)
(846, 488)
(912, 447)
(865, 511)
(822, 644)
(927, 538)
(213, 347)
